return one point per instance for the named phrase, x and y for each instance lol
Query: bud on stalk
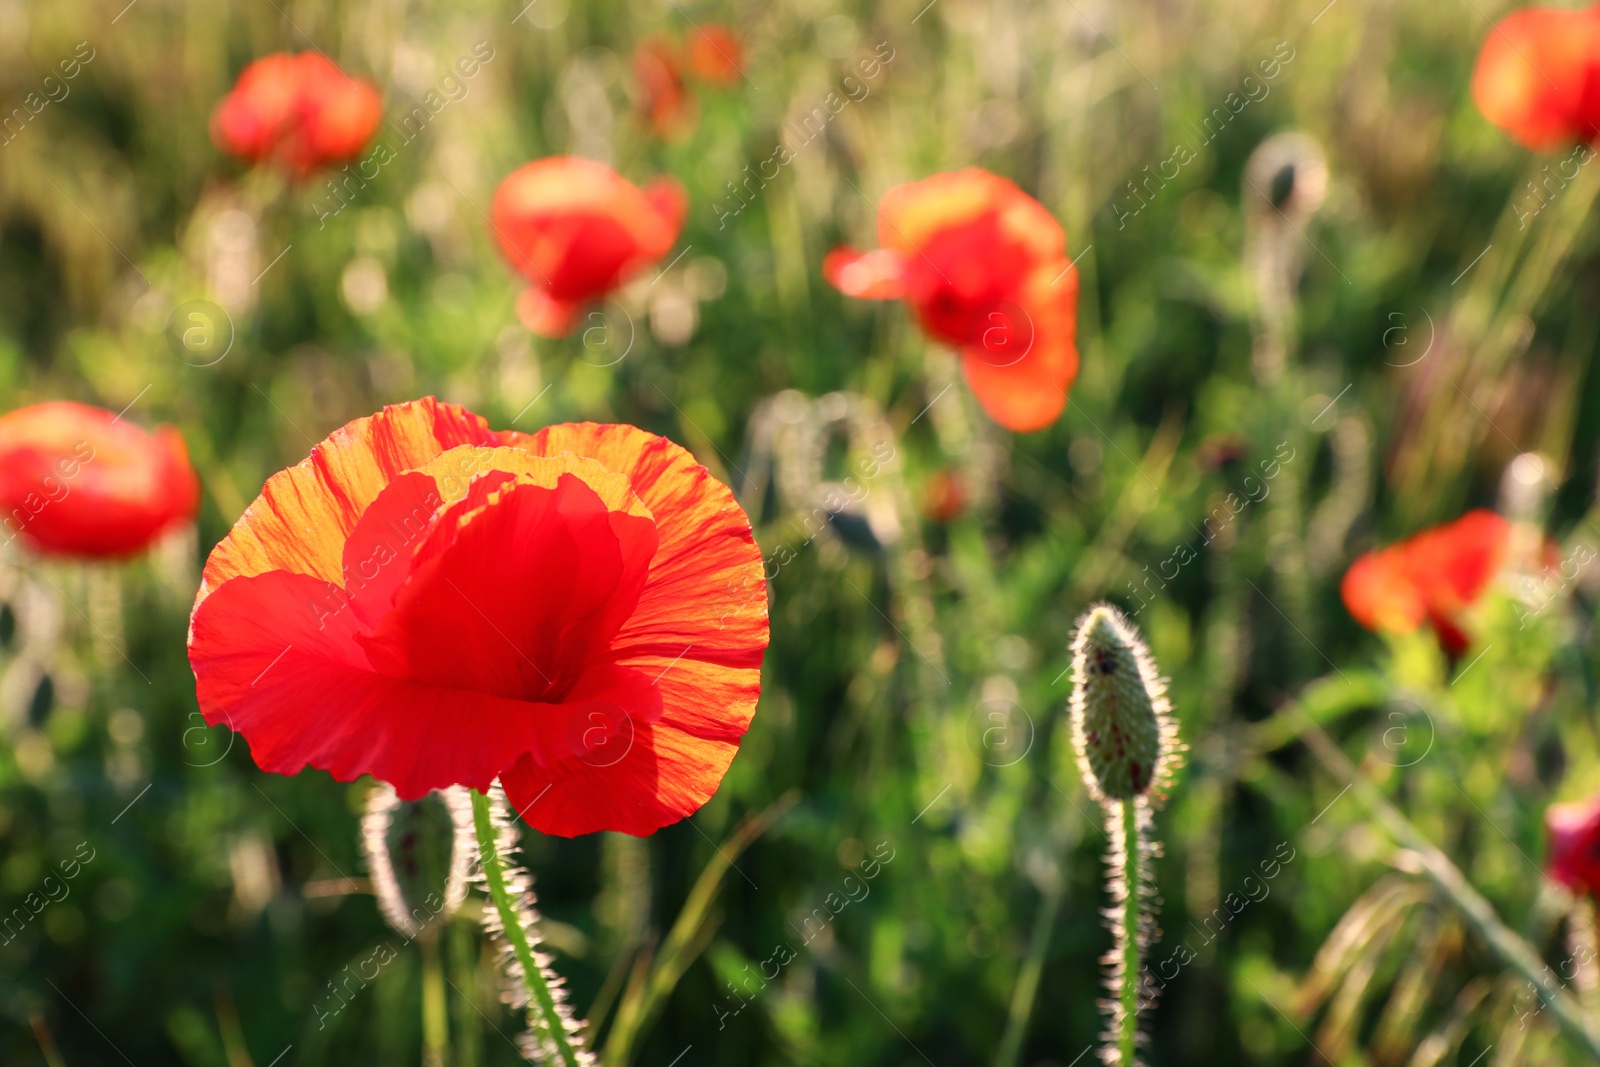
(1127, 747)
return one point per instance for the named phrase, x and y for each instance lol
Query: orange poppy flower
(300, 110)
(579, 612)
(577, 229)
(77, 480)
(1573, 831)
(984, 266)
(660, 93)
(1434, 576)
(716, 55)
(1538, 76)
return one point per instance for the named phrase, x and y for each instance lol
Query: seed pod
(1120, 715)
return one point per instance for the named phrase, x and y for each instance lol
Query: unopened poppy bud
(420, 854)
(1119, 708)
(1126, 741)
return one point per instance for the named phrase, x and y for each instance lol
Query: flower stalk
(1127, 749)
(552, 1031)
(435, 1021)
(1131, 934)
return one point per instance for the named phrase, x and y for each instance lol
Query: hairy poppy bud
(419, 853)
(1119, 708)
(1127, 743)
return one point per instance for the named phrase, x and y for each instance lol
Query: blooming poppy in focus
(576, 229)
(660, 92)
(300, 110)
(579, 612)
(716, 55)
(984, 266)
(1434, 576)
(1574, 834)
(1538, 76)
(79, 481)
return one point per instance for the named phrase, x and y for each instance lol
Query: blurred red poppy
(1538, 76)
(1574, 835)
(77, 480)
(301, 111)
(1433, 576)
(984, 267)
(716, 55)
(943, 497)
(579, 612)
(576, 229)
(660, 93)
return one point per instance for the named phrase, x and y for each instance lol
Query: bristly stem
(532, 973)
(1128, 1024)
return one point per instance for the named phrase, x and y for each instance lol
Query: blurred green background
(1393, 328)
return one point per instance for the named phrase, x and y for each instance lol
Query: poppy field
(918, 533)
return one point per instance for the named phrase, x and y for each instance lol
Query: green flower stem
(1534, 274)
(1128, 1037)
(532, 973)
(1027, 987)
(435, 1028)
(1512, 950)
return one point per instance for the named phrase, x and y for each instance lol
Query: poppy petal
(544, 315)
(377, 555)
(666, 195)
(577, 228)
(1380, 593)
(876, 275)
(1573, 832)
(706, 588)
(700, 696)
(662, 775)
(257, 648)
(1536, 77)
(75, 479)
(520, 625)
(911, 215)
(304, 514)
(1455, 562)
(1028, 392)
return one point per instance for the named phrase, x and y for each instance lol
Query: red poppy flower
(1538, 76)
(984, 267)
(943, 497)
(577, 229)
(716, 55)
(579, 612)
(78, 480)
(660, 93)
(300, 110)
(1436, 575)
(1574, 833)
